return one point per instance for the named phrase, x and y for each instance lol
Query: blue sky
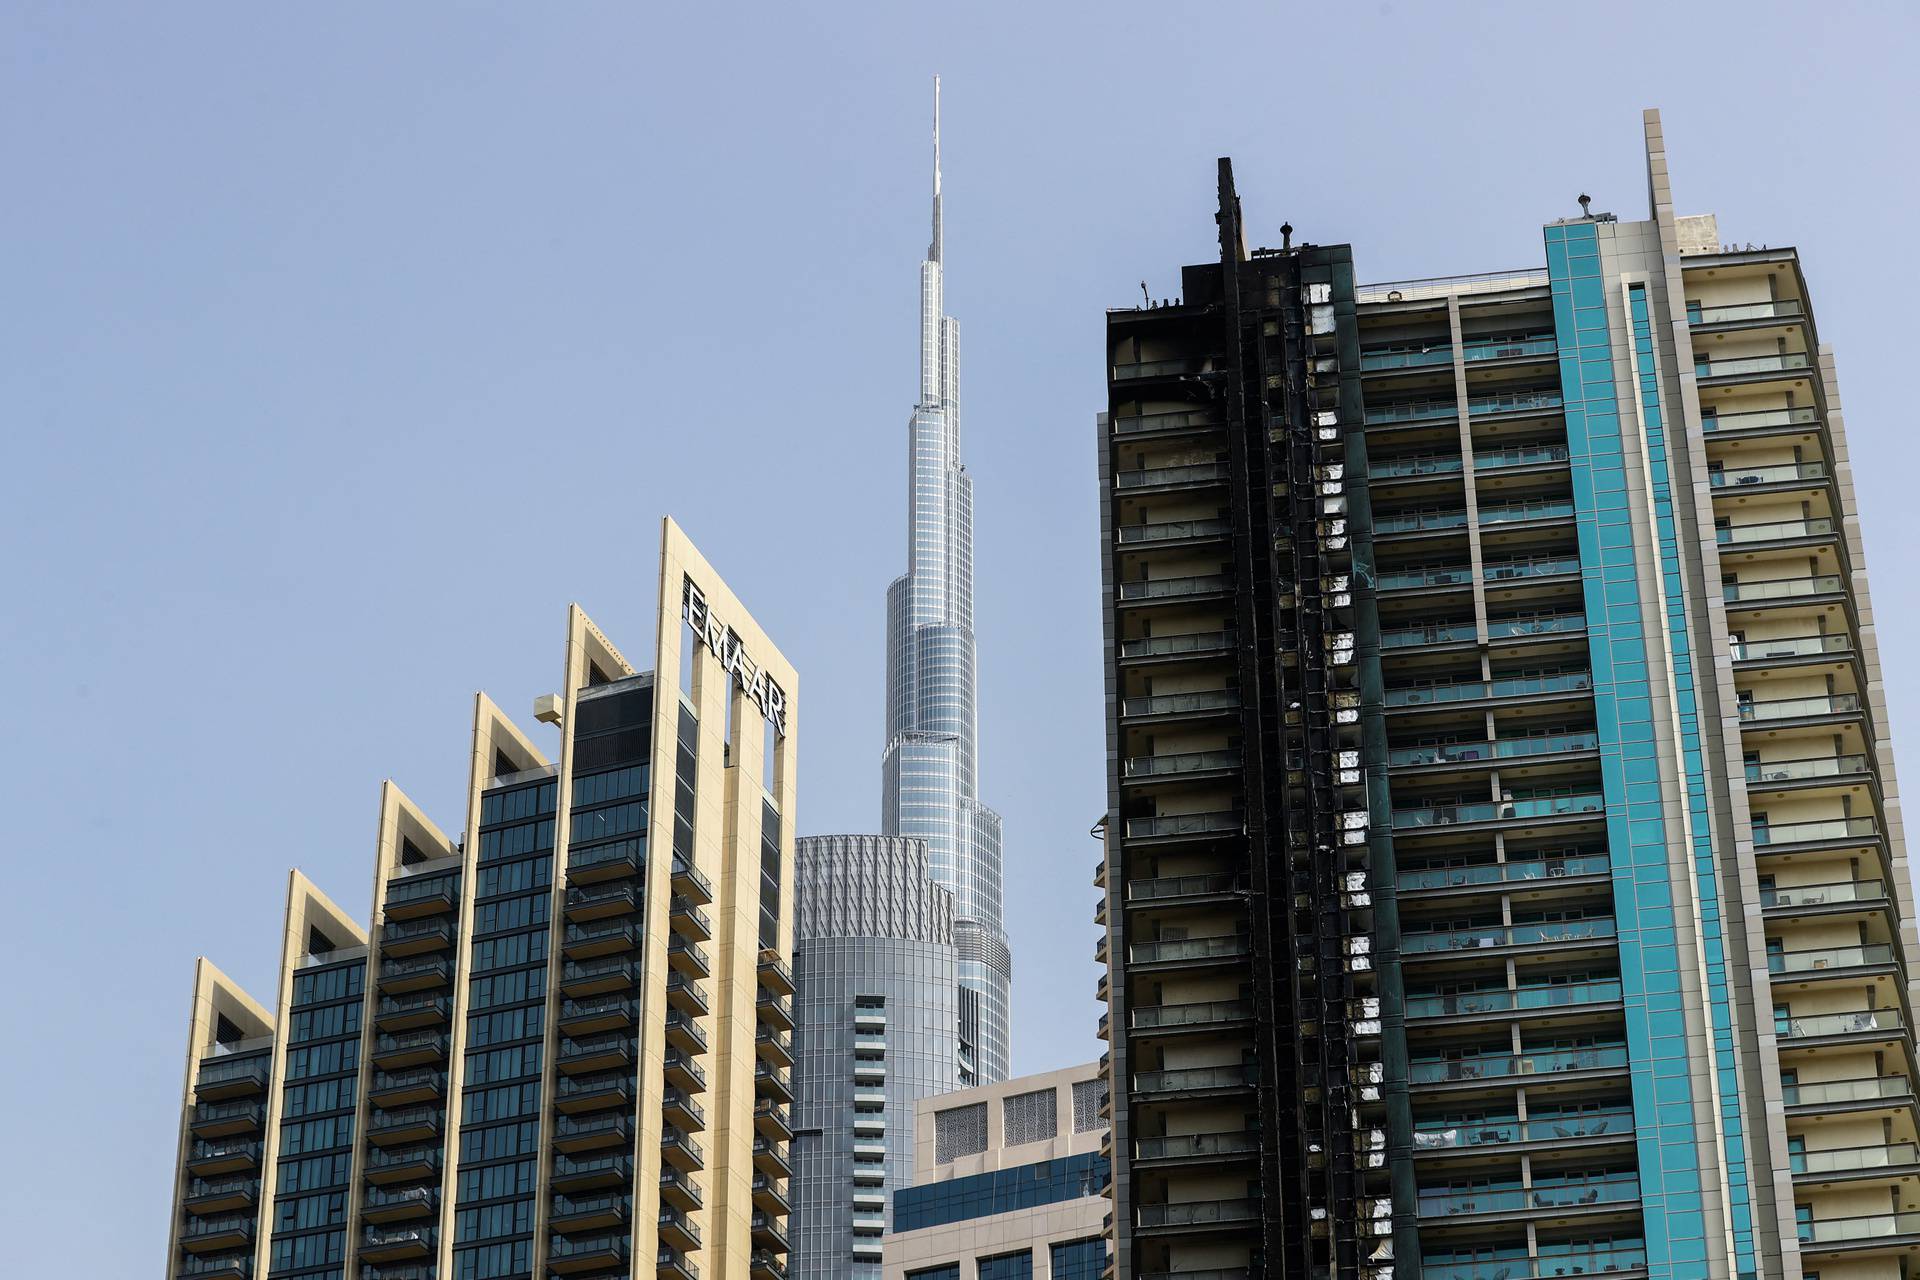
(344, 345)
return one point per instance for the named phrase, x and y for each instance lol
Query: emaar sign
(725, 645)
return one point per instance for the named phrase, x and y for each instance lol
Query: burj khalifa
(930, 770)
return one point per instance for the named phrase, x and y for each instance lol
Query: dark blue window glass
(1000, 1191)
(1079, 1259)
(1008, 1266)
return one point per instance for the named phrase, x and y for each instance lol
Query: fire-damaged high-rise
(1503, 868)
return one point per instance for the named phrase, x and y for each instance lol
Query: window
(1027, 1117)
(1079, 1259)
(1010, 1190)
(951, 1271)
(1008, 1266)
(1088, 1096)
(959, 1131)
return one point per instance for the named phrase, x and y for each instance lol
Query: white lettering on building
(724, 643)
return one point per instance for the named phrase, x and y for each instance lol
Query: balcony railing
(1792, 647)
(1446, 1202)
(1152, 1017)
(1420, 464)
(1157, 368)
(1197, 1213)
(1141, 422)
(1824, 895)
(1523, 455)
(1777, 309)
(1773, 531)
(1411, 579)
(1781, 588)
(1180, 886)
(1815, 1026)
(1803, 770)
(1417, 521)
(1877, 1226)
(1168, 766)
(1437, 633)
(1490, 1132)
(1192, 642)
(1495, 1066)
(1543, 567)
(1183, 1079)
(1499, 749)
(1406, 357)
(1537, 509)
(1175, 588)
(1442, 815)
(1184, 824)
(1516, 402)
(1818, 959)
(1501, 1000)
(1777, 473)
(1548, 1266)
(1829, 1093)
(1805, 832)
(1165, 704)
(1411, 411)
(1170, 531)
(1891, 1155)
(1473, 690)
(1587, 864)
(1154, 477)
(1546, 625)
(1739, 366)
(1799, 416)
(1517, 935)
(1177, 949)
(1197, 1146)
(1794, 708)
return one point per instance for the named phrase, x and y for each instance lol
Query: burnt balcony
(586, 1017)
(591, 1213)
(1174, 591)
(396, 1244)
(688, 956)
(1191, 477)
(1195, 1082)
(409, 1049)
(408, 1012)
(677, 1229)
(1161, 1020)
(678, 1188)
(1183, 647)
(596, 1092)
(408, 1125)
(683, 1072)
(1217, 951)
(680, 1109)
(623, 859)
(688, 919)
(415, 896)
(1194, 1150)
(580, 978)
(229, 1119)
(576, 1133)
(691, 882)
(602, 901)
(1167, 708)
(686, 994)
(1151, 425)
(1206, 889)
(594, 1053)
(415, 937)
(400, 1204)
(219, 1197)
(1170, 534)
(419, 974)
(1196, 1217)
(599, 938)
(404, 1088)
(386, 1166)
(573, 1174)
(1176, 828)
(1184, 766)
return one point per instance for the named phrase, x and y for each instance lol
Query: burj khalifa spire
(930, 769)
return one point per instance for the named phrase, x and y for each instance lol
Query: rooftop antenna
(1286, 236)
(933, 251)
(1144, 294)
(1585, 212)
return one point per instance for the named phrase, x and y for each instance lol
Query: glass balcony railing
(1801, 770)
(1892, 1155)
(1153, 477)
(1174, 588)
(1781, 588)
(1180, 886)
(1544, 567)
(1406, 358)
(1798, 416)
(1879, 1226)
(414, 890)
(618, 1204)
(1148, 1017)
(1777, 309)
(1824, 895)
(1415, 521)
(1196, 1145)
(1495, 1066)
(1185, 1078)
(1157, 368)
(1411, 411)
(1819, 959)
(1166, 646)
(1438, 633)
(1197, 1213)
(1169, 766)
(1549, 624)
(1171, 531)
(1742, 366)
(1739, 477)
(1409, 579)
(1442, 815)
(1507, 687)
(1481, 1133)
(1825, 1093)
(1165, 704)
(1500, 749)
(1506, 936)
(1508, 348)
(1136, 423)
(1784, 833)
(1538, 509)
(1773, 531)
(1501, 1000)
(1586, 864)
(1183, 824)
(1794, 708)
(1447, 1202)
(1516, 402)
(1791, 647)
(1813, 1026)
(1423, 464)
(1580, 1262)
(223, 1072)
(1176, 949)
(1523, 455)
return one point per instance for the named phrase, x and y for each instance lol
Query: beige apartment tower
(562, 1048)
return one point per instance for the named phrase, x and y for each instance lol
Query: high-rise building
(1009, 1183)
(929, 786)
(561, 1048)
(936, 905)
(877, 1002)
(1504, 873)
